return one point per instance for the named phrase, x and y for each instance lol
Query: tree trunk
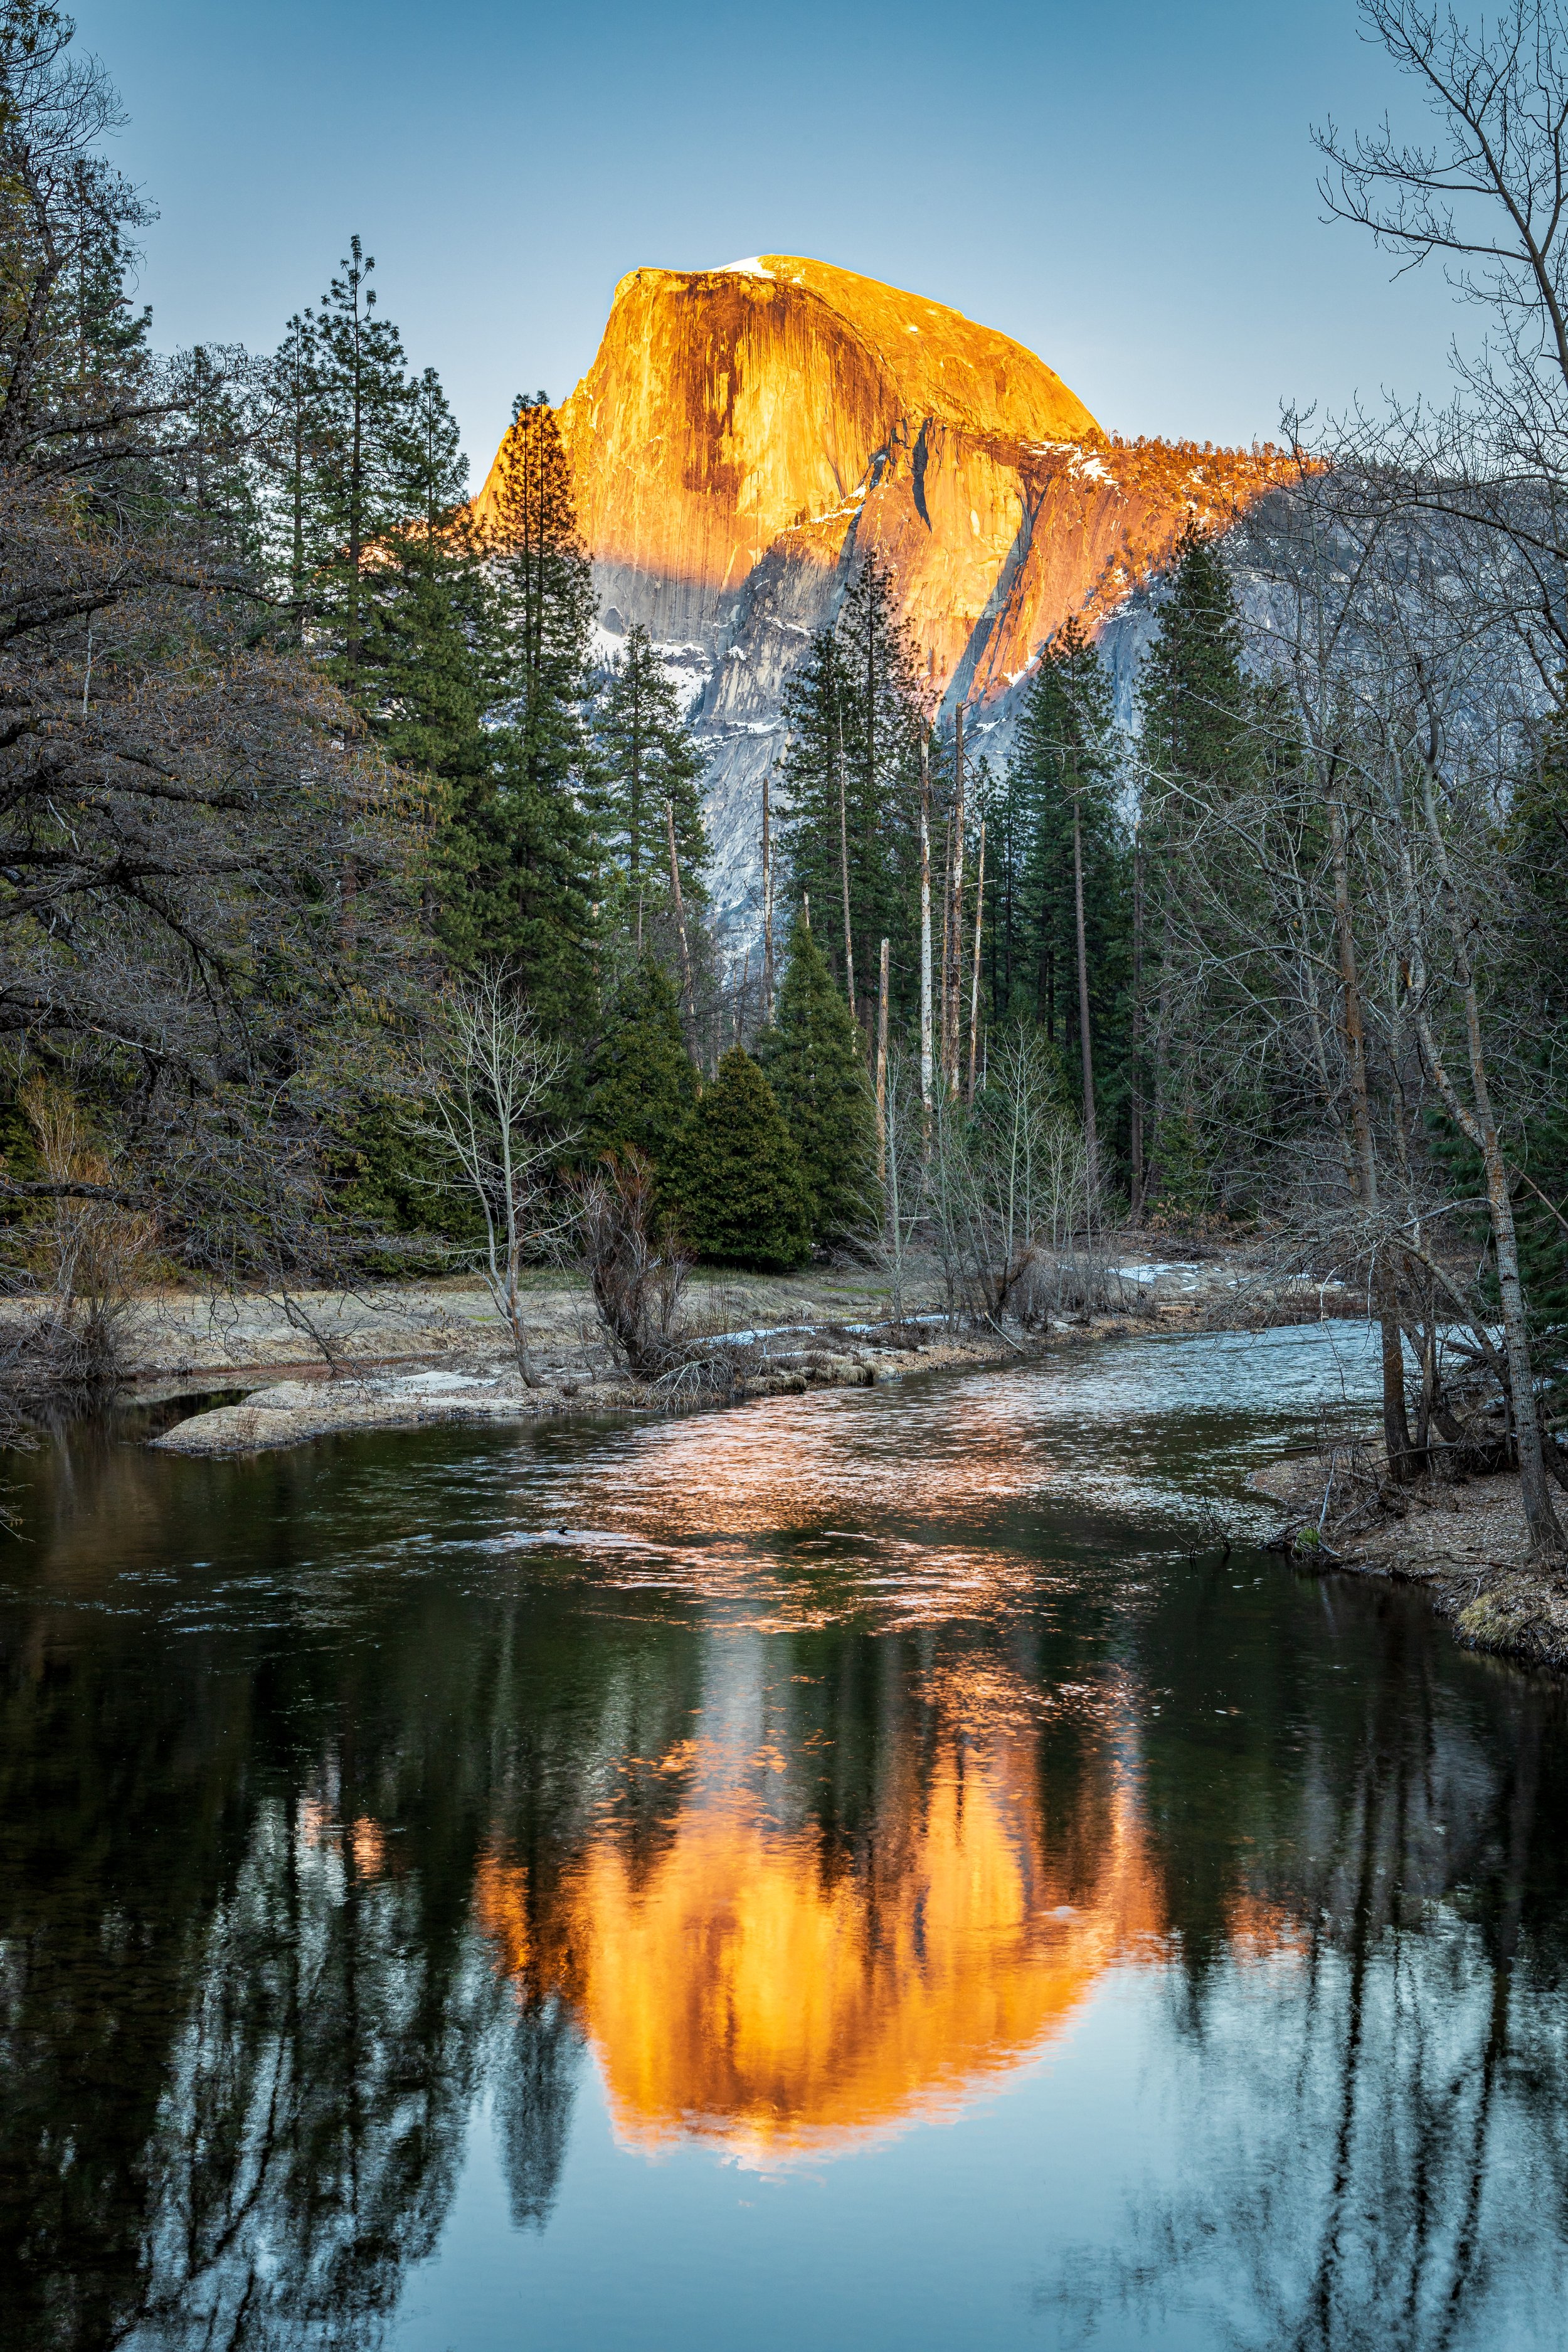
(954, 978)
(1090, 1134)
(844, 876)
(688, 991)
(883, 1069)
(1403, 1462)
(767, 908)
(1152, 1172)
(974, 976)
(925, 934)
(946, 930)
(1135, 1115)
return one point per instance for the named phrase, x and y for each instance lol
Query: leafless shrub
(637, 1276)
(1080, 1282)
(1008, 1182)
(904, 1176)
(83, 1249)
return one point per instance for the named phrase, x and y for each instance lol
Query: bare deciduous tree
(487, 1087)
(1008, 1182)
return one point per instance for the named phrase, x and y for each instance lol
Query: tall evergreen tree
(1193, 696)
(289, 451)
(1194, 724)
(523, 854)
(434, 656)
(1061, 779)
(546, 580)
(812, 1059)
(364, 475)
(850, 793)
(737, 1191)
(648, 769)
(642, 1083)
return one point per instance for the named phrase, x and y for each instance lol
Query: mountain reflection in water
(741, 1990)
(421, 1858)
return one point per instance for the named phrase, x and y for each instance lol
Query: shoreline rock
(293, 1413)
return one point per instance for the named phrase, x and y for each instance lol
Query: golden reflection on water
(742, 1989)
(774, 1464)
(785, 1510)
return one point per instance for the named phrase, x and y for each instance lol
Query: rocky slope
(746, 435)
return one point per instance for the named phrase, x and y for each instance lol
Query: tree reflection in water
(307, 1857)
(1371, 1940)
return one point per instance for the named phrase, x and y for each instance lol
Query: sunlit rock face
(747, 435)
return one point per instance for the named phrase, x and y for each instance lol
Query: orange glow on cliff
(746, 423)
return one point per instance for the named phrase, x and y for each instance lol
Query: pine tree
(434, 656)
(812, 1059)
(90, 358)
(1193, 698)
(517, 883)
(850, 793)
(289, 453)
(737, 1190)
(546, 581)
(1062, 773)
(365, 455)
(648, 766)
(1195, 722)
(642, 1083)
(522, 856)
(209, 475)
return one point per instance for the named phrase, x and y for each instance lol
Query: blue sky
(1126, 187)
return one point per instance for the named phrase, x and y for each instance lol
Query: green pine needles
(737, 1189)
(643, 1086)
(812, 1056)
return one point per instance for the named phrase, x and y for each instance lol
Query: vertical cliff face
(746, 435)
(727, 406)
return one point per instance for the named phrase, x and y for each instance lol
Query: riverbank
(401, 1355)
(1463, 1544)
(282, 1369)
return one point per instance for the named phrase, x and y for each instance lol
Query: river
(880, 1870)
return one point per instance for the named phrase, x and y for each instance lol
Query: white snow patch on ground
(751, 267)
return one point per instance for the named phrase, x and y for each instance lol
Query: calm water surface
(851, 1872)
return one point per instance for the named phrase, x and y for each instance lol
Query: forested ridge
(353, 904)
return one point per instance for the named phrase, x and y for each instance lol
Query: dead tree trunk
(974, 975)
(953, 976)
(1090, 1136)
(1135, 1114)
(688, 992)
(1478, 1122)
(844, 876)
(925, 936)
(1403, 1463)
(767, 908)
(883, 1069)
